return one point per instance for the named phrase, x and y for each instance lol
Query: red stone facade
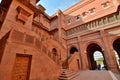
(36, 46)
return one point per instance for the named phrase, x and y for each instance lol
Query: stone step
(68, 75)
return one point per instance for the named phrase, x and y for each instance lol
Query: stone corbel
(23, 15)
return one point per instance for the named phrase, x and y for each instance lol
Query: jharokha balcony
(103, 22)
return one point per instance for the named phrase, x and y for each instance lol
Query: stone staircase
(68, 74)
(88, 75)
(96, 75)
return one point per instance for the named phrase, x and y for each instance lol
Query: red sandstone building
(36, 46)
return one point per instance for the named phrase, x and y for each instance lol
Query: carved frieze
(95, 23)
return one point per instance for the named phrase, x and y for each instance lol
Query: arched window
(54, 53)
(72, 50)
(96, 57)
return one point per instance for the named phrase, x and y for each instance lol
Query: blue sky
(53, 5)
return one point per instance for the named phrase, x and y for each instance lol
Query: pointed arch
(73, 49)
(91, 50)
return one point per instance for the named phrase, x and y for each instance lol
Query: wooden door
(21, 69)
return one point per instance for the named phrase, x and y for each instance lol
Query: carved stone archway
(54, 53)
(73, 49)
(91, 49)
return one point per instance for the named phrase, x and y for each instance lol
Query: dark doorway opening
(96, 57)
(72, 50)
(54, 53)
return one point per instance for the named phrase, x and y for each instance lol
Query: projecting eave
(96, 16)
(56, 14)
(40, 7)
(37, 1)
(47, 16)
(53, 17)
(70, 27)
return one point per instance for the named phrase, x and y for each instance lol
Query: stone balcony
(101, 23)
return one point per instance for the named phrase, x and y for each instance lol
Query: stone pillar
(83, 55)
(108, 52)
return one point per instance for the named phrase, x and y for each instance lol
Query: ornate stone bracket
(23, 15)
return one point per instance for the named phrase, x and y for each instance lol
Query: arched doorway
(54, 53)
(116, 46)
(96, 58)
(74, 59)
(73, 49)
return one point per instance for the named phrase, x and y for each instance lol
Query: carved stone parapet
(96, 23)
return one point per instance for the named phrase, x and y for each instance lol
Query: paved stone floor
(97, 75)
(117, 76)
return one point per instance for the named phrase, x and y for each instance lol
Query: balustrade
(98, 23)
(20, 37)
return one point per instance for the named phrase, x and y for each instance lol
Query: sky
(52, 6)
(97, 55)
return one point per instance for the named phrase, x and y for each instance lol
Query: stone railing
(22, 38)
(29, 40)
(56, 59)
(95, 24)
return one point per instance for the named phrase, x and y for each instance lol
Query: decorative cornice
(96, 24)
(78, 7)
(37, 1)
(21, 10)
